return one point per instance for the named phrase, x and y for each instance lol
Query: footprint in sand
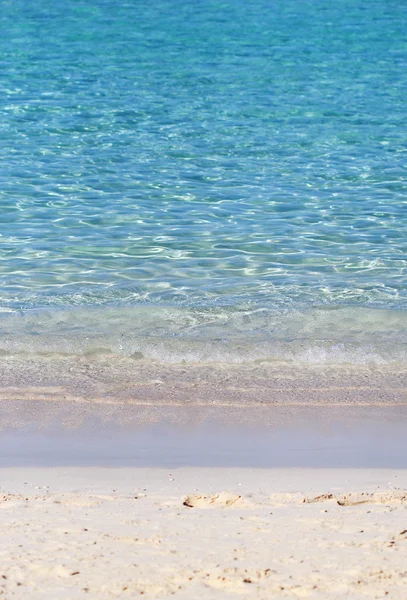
(387, 497)
(321, 498)
(353, 499)
(222, 499)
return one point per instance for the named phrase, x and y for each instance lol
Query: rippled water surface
(212, 159)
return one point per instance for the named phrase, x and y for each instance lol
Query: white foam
(234, 335)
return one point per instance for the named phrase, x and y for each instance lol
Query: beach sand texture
(203, 533)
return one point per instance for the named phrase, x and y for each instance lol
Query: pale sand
(101, 533)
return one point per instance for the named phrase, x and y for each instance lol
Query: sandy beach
(203, 533)
(286, 502)
(299, 491)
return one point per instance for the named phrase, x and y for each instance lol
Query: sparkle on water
(240, 153)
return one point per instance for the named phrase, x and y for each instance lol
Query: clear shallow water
(221, 174)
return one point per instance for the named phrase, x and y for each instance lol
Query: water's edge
(245, 334)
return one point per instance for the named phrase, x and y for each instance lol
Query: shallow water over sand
(223, 181)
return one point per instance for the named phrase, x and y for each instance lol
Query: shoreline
(105, 379)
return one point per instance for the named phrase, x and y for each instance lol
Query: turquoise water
(208, 172)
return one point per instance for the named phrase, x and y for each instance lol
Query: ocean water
(214, 180)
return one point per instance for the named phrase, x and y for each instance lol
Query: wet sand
(113, 380)
(66, 434)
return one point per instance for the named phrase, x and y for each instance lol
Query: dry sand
(202, 533)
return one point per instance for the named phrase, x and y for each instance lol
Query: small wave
(242, 334)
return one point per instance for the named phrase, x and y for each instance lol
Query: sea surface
(196, 181)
